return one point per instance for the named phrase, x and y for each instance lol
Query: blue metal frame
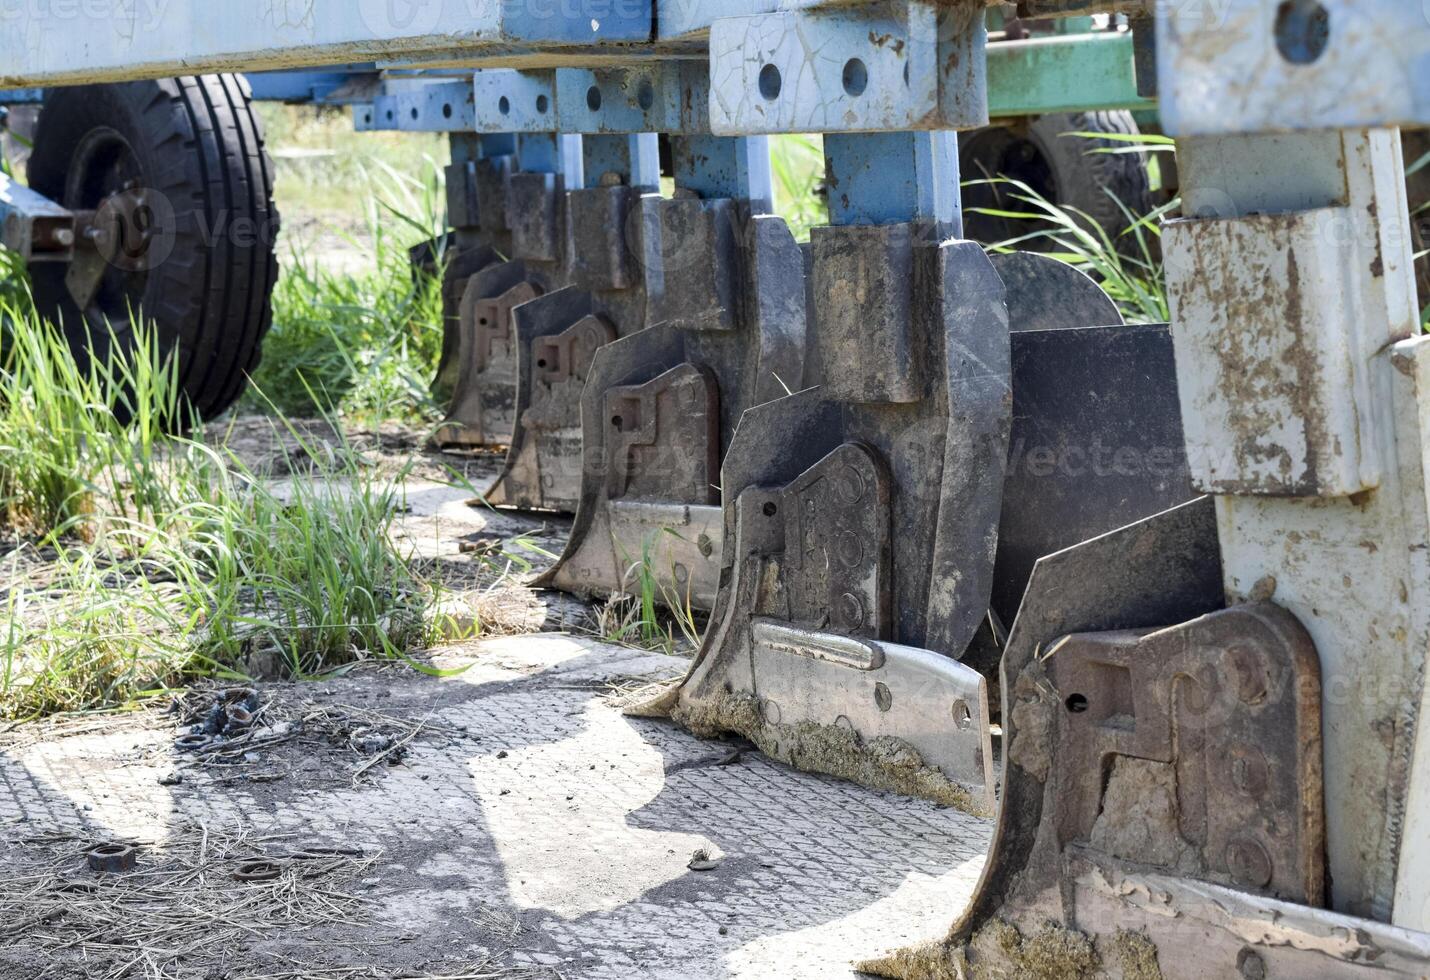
(315, 87)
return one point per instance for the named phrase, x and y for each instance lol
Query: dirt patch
(1136, 955)
(999, 951)
(885, 763)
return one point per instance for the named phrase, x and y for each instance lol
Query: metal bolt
(850, 549)
(852, 614)
(1249, 863)
(962, 715)
(770, 710)
(112, 858)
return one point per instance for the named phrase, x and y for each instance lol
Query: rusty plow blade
(527, 212)
(660, 407)
(849, 587)
(1162, 809)
(556, 339)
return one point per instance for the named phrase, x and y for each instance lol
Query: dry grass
(180, 908)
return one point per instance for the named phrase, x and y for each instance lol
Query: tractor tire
(1062, 169)
(185, 230)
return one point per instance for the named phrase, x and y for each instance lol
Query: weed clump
(167, 558)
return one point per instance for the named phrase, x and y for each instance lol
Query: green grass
(324, 165)
(174, 559)
(363, 342)
(797, 163)
(1128, 267)
(651, 614)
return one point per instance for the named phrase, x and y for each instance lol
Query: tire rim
(105, 177)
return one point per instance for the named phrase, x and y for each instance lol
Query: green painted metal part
(1072, 73)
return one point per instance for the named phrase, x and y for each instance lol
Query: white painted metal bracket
(1267, 66)
(1275, 393)
(880, 67)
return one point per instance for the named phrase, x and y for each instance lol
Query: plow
(1153, 597)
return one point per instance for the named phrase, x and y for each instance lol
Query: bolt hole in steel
(541, 363)
(771, 82)
(962, 715)
(504, 106)
(593, 98)
(856, 77)
(771, 509)
(447, 110)
(1303, 30)
(1076, 703)
(883, 697)
(617, 421)
(645, 96)
(542, 104)
(415, 113)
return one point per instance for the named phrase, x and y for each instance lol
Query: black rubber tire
(196, 144)
(1058, 167)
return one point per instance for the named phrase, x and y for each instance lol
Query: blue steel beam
(892, 178)
(420, 104)
(635, 157)
(22, 96)
(725, 167)
(306, 86)
(75, 43)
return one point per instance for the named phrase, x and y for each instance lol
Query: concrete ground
(526, 828)
(494, 817)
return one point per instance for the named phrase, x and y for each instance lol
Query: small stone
(502, 754)
(171, 779)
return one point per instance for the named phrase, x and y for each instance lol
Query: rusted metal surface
(483, 410)
(556, 340)
(849, 520)
(1274, 391)
(727, 296)
(33, 226)
(1196, 749)
(560, 334)
(1190, 753)
(1161, 570)
(1354, 569)
(466, 263)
